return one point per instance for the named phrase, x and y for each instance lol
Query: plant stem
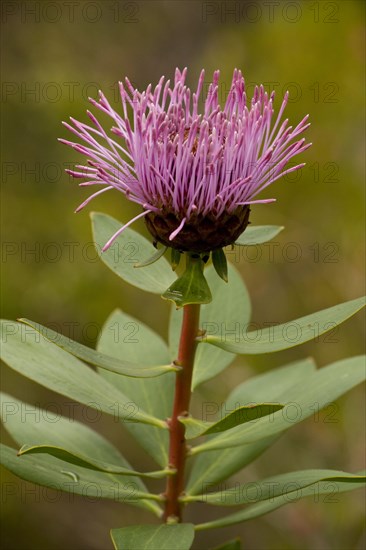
(178, 446)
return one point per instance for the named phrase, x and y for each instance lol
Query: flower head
(195, 175)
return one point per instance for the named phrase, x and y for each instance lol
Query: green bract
(134, 382)
(191, 287)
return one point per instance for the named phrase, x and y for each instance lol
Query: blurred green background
(55, 55)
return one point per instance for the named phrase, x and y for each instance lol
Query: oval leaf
(130, 248)
(51, 472)
(272, 487)
(258, 234)
(29, 353)
(216, 466)
(28, 424)
(153, 537)
(273, 384)
(266, 506)
(156, 394)
(321, 388)
(98, 359)
(287, 335)
(81, 460)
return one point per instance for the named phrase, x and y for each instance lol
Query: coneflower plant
(194, 164)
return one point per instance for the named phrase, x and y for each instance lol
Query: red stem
(178, 446)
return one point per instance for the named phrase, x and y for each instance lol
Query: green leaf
(129, 249)
(230, 305)
(191, 287)
(331, 488)
(40, 431)
(154, 537)
(287, 335)
(29, 425)
(29, 353)
(98, 359)
(273, 384)
(87, 462)
(258, 234)
(313, 393)
(52, 472)
(230, 545)
(143, 347)
(216, 466)
(272, 487)
(220, 264)
(154, 258)
(241, 415)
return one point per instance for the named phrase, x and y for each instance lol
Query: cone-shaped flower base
(200, 233)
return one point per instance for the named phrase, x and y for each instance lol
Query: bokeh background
(55, 55)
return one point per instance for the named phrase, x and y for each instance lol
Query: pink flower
(195, 175)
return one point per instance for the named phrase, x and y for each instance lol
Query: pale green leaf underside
(331, 488)
(230, 304)
(318, 390)
(258, 234)
(81, 460)
(272, 487)
(156, 394)
(29, 426)
(241, 415)
(221, 464)
(29, 353)
(273, 384)
(98, 359)
(154, 537)
(51, 472)
(129, 249)
(287, 335)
